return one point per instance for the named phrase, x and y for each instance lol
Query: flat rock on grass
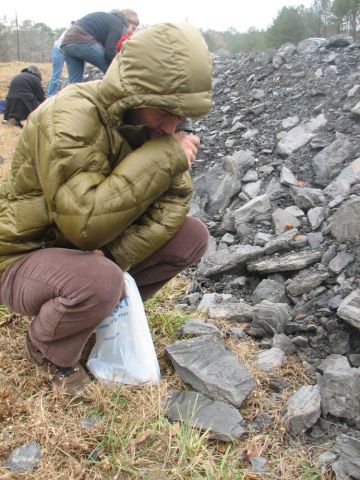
(24, 458)
(221, 419)
(206, 365)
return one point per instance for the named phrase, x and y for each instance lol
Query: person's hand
(97, 252)
(190, 144)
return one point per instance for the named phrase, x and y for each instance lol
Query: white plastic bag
(124, 351)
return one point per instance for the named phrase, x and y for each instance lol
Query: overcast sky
(205, 14)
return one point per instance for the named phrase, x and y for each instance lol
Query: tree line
(32, 42)
(293, 24)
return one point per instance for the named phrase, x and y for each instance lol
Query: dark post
(17, 36)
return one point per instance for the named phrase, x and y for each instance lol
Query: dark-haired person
(93, 39)
(24, 95)
(99, 184)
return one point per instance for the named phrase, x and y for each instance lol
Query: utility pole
(17, 36)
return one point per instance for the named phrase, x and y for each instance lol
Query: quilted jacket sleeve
(92, 207)
(159, 223)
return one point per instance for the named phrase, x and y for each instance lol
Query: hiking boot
(14, 121)
(72, 379)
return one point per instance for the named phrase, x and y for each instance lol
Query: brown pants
(69, 292)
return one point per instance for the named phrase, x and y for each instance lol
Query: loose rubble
(278, 184)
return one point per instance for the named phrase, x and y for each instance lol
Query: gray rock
(211, 299)
(269, 360)
(354, 359)
(328, 162)
(258, 464)
(346, 221)
(344, 181)
(257, 93)
(255, 209)
(206, 365)
(90, 421)
(347, 466)
(213, 192)
(225, 260)
(199, 327)
(228, 238)
(252, 132)
(236, 332)
(307, 197)
(281, 242)
(340, 393)
(326, 459)
(287, 177)
(295, 210)
(311, 45)
(334, 362)
(329, 255)
(221, 419)
(356, 109)
(315, 239)
(316, 216)
(303, 409)
(300, 341)
(270, 318)
(354, 91)
(300, 135)
(284, 343)
(262, 238)
(250, 176)
(341, 261)
(305, 281)
(339, 342)
(192, 298)
(269, 290)
(289, 262)
(232, 312)
(284, 220)
(349, 309)
(290, 122)
(24, 459)
(252, 189)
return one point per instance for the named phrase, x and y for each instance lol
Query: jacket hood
(166, 66)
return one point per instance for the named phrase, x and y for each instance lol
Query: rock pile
(278, 184)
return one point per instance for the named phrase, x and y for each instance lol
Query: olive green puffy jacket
(81, 178)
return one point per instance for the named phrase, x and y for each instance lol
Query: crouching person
(25, 94)
(99, 184)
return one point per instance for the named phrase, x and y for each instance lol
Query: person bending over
(93, 39)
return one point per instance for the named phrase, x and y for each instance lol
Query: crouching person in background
(25, 94)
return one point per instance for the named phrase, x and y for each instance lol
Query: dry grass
(133, 439)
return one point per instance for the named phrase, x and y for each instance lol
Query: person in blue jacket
(93, 39)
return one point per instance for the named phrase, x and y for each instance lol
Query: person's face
(158, 120)
(131, 28)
